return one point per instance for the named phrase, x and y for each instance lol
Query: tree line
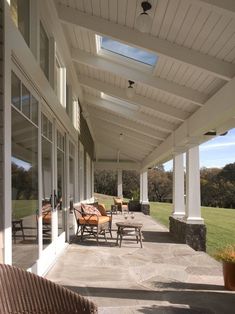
(217, 185)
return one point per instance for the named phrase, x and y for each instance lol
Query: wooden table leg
(140, 234)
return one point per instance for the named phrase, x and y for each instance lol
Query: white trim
(148, 42)
(169, 87)
(140, 101)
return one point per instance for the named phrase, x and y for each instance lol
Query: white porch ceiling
(195, 44)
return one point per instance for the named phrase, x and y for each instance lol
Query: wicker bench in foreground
(24, 292)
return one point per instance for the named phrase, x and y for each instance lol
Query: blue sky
(215, 153)
(127, 51)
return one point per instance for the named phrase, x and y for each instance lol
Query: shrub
(226, 254)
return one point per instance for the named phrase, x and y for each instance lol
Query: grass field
(23, 208)
(220, 222)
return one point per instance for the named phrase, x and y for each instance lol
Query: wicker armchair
(24, 292)
(122, 206)
(91, 223)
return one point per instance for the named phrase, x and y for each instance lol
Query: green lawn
(220, 222)
(23, 208)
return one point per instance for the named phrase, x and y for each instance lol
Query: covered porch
(162, 277)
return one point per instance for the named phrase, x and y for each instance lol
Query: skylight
(128, 51)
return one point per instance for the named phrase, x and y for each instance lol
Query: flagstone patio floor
(162, 277)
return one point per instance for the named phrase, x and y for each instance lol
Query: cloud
(216, 146)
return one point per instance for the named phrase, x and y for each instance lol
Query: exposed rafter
(217, 111)
(136, 75)
(115, 131)
(123, 121)
(108, 124)
(127, 142)
(124, 149)
(107, 165)
(120, 93)
(130, 114)
(132, 37)
(225, 7)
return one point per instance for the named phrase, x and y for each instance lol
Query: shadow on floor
(198, 301)
(158, 237)
(173, 310)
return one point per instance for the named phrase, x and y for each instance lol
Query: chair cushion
(93, 220)
(118, 201)
(90, 209)
(102, 210)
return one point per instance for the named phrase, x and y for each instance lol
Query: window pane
(15, 90)
(23, 19)
(44, 51)
(60, 190)
(25, 101)
(129, 52)
(46, 190)
(34, 110)
(44, 125)
(20, 16)
(24, 191)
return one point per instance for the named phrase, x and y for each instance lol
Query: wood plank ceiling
(196, 28)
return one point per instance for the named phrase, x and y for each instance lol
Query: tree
(159, 185)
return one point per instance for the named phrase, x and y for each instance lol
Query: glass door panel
(60, 182)
(24, 191)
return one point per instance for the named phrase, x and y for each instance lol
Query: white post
(178, 187)
(119, 187)
(141, 187)
(193, 198)
(145, 199)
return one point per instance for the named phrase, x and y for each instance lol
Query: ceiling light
(144, 20)
(130, 92)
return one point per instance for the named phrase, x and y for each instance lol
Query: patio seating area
(162, 277)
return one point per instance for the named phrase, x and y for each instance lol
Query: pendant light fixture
(130, 92)
(144, 20)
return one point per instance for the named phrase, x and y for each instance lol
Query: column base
(189, 233)
(178, 215)
(145, 208)
(194, 220)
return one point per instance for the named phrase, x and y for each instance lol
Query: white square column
(141, 187)
(119, 185)
(178, 187)
(145, 199)
(193, 198)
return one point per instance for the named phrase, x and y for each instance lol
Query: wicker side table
(129, 229)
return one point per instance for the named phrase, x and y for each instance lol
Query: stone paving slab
(163, 277)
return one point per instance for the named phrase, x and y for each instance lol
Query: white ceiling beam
(129, 144)
(144, 102)
(128, 124)
(124, 151)
(136, 75)
(154, 44)
(216, 112)
(224, 7)
(123, 146)
(98, 122)
(125, 136)
(111, 165)
(155, 123)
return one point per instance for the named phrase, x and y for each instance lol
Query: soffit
(188, 23)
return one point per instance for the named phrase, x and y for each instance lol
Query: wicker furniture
(24, 292)
(92, 224)
(17, 226)
(122, 206)
(128, 228)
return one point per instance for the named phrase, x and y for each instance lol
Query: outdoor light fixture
(144, 20)
(130, 92)
(121, 136)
